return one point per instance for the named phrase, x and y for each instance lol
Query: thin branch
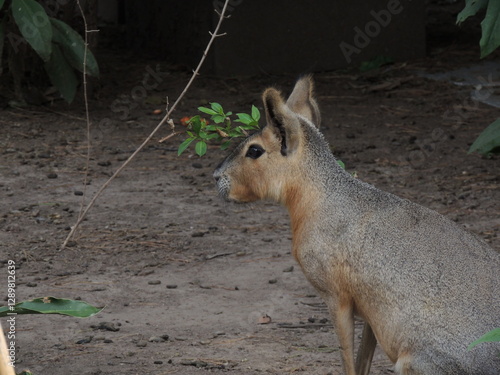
(148, 138)
(87, 112)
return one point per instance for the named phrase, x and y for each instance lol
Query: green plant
(492, 336)
(60, 47)
(51, 305)
(489, 140)
(490, 26)
(221, 129)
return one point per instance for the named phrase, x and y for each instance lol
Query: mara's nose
(217, 175)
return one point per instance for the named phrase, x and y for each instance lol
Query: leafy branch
(221, 131)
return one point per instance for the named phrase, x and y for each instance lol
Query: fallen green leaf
(51, 305)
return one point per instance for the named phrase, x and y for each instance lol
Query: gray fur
(427, 287)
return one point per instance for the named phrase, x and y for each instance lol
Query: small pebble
(78, 192)
(158, 362)
(197, 165)
(31, 285)
(52, 175)
(85, 340)
(157, 339)
(273, 281)
(154, 282)
(141, 344)
(171, 286)
(106, 326)
(288, 269)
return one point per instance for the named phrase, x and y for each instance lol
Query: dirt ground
(185, 277)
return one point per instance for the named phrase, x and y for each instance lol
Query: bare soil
(184, 277)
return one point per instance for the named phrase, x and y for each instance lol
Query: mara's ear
(302, 100)
(281, 121)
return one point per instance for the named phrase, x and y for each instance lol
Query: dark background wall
(276, 36)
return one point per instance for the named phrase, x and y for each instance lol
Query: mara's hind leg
(365, 351)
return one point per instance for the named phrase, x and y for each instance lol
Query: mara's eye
(254, 152)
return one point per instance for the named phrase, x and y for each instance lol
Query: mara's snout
(221, 182)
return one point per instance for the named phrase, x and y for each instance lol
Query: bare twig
(150, 136)
(87, 112)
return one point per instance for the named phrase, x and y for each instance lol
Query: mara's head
(271, 163)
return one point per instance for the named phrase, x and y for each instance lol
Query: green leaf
(244, 118)
(490, 36)
(202, 134)
(51, 305)
(212, 136)
(492, 336)
(211, 128)
(61, 74)
(208, 111)
(255, 113)
(1, 3)
(252, 126)
(184, 145)
(218, 119)
(201, 148)
(470, 9)
(196, 126)
(217, 108)
(489, 140)
(34, 25)
(73, 47)
(341, 163)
